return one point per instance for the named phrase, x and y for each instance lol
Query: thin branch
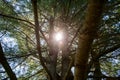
(75, 36)
(39, 71)
(4, 15)
(114, 57)
(108, 51)
(20, 56)
(80, 10)
(2, 71)
(106, 77)
(20, 62)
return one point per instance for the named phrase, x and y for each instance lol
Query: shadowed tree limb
(99, 55)
(12, 17)
(37, 28)
(6, 65)
(15, 18)
(107, 51)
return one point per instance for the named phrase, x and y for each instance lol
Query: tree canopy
(59, 39)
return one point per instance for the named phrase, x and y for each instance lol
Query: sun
(59, 36)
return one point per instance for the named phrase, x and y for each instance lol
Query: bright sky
(9, 41)
(59, 36)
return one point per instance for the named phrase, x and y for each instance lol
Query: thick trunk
(6, 66)
(92, 20)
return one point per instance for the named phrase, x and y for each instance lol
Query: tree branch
(4, 15)
(37, 28)
(107, 51)
(12, 17)
(6, 66)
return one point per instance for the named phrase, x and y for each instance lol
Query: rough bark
(90, 26)
(6, 66)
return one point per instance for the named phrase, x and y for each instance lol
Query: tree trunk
(6, 66)
(37, 29)
(90, 26)
(53, 52)
(97, 72)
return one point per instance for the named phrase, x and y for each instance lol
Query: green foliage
(71, 12)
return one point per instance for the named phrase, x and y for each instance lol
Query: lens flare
(59, 36)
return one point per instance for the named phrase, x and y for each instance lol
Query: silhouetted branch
(107, 51)
(6, 66)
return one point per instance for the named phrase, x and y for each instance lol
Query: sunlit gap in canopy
(59, 36)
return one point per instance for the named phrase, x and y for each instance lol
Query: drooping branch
(12, 17)
(108, 51)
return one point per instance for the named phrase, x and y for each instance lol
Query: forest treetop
(35, 24)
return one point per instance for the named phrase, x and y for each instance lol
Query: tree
(34, 25)
(86, 37)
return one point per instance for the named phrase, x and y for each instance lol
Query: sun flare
(58, 36)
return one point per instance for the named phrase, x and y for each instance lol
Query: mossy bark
(86, 36)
